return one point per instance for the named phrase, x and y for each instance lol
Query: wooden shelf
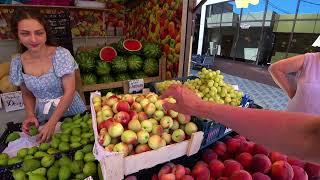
(124, 84)
(52, 6)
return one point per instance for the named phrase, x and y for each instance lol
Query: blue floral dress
(48, 86)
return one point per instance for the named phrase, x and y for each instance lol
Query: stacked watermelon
(124, 60)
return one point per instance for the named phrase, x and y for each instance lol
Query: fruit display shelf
(116, 165)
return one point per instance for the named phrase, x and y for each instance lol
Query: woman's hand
(47, 131)
(30, 119)
(186, 99)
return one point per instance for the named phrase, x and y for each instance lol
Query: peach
(166, 169)
(246, 146)
(277, 156)
(242, 138)
(226, 156)
(209, 155)
(281, 170)
(260, 163)
(223, 178)
(299, 173)
(233, 145)
(201, 172)
(155, 177)
(169, 176)
(260, 176)
(231, 166)
(179, 171)
(259, 149)
(241, 175)
(187, 177)
(220, 148)
(294, 161)
(188, 171)
(313, 170)
(204, 175)
(216, 168)
(245, 159)
(131, 178)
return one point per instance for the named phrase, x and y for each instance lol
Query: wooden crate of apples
(137, 126)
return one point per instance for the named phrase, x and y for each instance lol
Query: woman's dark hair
(30, 13)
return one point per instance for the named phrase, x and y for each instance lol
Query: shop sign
(12, 101)
(136, 86)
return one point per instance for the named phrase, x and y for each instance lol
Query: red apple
(149, 109)
(128, 98)
(136, 107)
(133, 115)
(166, 122)
(115, 129)
(121, 106)
(105, 124)
(129, 137)
(112, 100)
(122, 117)
(121, 148)
(183, 119)
(142, 116)
(142, 148)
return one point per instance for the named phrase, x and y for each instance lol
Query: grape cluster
(211, 87)
(161, 86)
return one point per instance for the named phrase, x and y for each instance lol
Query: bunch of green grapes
(211, 87)
(161, 86)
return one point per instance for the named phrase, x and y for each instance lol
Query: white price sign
(12, 101)
(136, 85)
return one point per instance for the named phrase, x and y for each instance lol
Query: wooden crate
(114, 166)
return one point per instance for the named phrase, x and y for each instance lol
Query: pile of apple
(132, 124)
(239, 159)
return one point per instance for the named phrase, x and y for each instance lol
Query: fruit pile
(133, 124)
(120, 61)
(48, 167)
(210, 87)
(239, 159)
(75, 132)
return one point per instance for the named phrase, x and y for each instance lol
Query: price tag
(89, 178)
(136, 86)
(12, 101)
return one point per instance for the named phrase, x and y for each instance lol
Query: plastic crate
(212, 130)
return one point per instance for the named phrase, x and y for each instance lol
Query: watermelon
(95, 52)
(89, 79)
(138, 75)
(152, 50)
(119, 65)
(103, 68)
(135, 63)
(151, 67)
(119, 47)
(122, 77)
(132, 45)
(105, 79)
(86, 62)
(108, 53)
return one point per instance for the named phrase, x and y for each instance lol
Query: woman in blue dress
(45, 74)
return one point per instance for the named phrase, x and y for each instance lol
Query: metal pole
(262, 31)
(237, 37)
(293, 26)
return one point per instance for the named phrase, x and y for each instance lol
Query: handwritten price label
(136, 85)
(12, 101)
